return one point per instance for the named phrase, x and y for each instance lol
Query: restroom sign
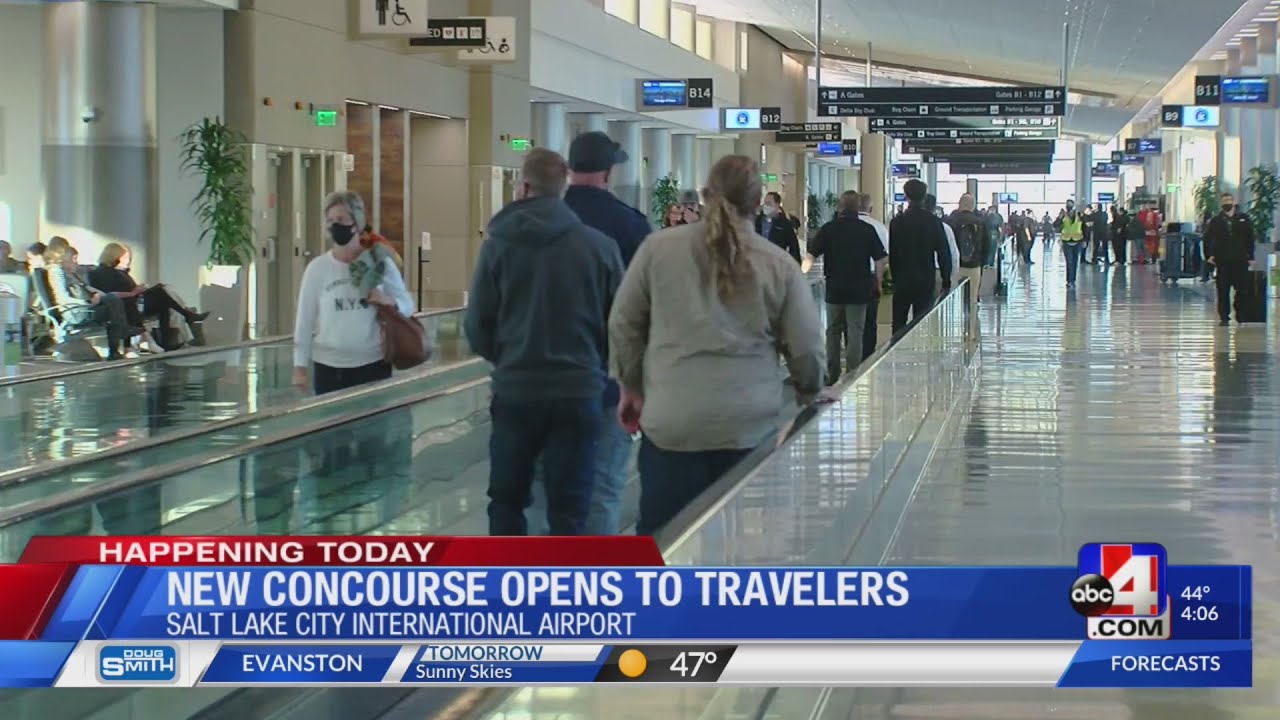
(500, 42)
(387, 18)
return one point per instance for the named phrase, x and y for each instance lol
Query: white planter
(224, 295)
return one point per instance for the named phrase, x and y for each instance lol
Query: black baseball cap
(595, 152)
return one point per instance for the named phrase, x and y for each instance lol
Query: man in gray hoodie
(547, 340)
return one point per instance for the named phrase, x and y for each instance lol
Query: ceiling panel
(1125, 50)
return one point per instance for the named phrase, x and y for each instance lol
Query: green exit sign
(520, 144)
(1172, 188)
(326, 118)
(769, 177)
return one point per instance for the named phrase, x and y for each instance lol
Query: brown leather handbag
(404, 340)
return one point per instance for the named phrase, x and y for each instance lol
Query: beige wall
(775, 78)
(439, 198)
(298, 51)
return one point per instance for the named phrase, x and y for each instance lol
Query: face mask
(770, 210)
(342, 234)
(1228, 208)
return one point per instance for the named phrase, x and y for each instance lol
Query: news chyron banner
(290, 611)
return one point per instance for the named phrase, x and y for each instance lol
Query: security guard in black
(1229, 242)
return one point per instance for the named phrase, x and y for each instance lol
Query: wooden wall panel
(360, 144)
(393, 138)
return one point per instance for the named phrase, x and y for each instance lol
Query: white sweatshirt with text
(335, 325)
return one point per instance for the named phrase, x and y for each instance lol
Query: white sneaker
(150, 347)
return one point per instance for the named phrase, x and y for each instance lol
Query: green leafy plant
(1264, 187)
(666, 192)
(219, 156)
(1206, 193)
(814, 211)
(832, 203)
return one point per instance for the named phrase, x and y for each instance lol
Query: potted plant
(1264, 189)
(832, 203)
(1206, 193)
(219, 156)
(665, 193)
(813, 211)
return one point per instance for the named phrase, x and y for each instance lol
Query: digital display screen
(1007, 198)
(1149, 146)
(741, 119)
(1106, 197)
(1246, 90)
(907, 170)
(664, 93)
(830, 148)
(1106, 170)
(899, 197)
(1201, 116)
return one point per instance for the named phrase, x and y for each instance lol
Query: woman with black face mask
(337, 338)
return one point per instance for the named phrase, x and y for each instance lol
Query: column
(99, 119)
(1269, 119)
(580, 123)
(686, 162)
(704, 157)
(931, 176)
(1231, 172)
(549, 129)
(875, 172)
(657, 162)
(626, 177)
(1250, 119)
(1084, 173)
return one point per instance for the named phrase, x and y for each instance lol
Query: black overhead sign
(1036, 147)
(453, 33)
(808, 132)
(1208, 90)
(1119, 158)
(959, 123)
(974, 134)
(1000, 167)
(941, 101)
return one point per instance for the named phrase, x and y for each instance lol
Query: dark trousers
(156, 303)
(1231, 276)
(870, 331)
(564, 433)
(910, 303)
(1100, 247)
(111, 313)
(670, 480)
(1120, 248)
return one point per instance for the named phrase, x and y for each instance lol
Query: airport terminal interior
(1085, 382)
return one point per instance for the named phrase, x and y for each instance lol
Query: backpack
(969, 241)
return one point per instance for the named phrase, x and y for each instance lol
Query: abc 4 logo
(1093, 596)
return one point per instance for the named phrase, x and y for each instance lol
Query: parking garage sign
(391, 17)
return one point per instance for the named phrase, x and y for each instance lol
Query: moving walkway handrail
(88, 367)
(158, 473)
(480, 702)
(21, 476)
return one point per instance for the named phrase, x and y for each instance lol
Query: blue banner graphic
(318, 604)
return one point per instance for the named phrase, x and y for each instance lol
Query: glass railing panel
(84, 413)
(41, 485)
(816, 501)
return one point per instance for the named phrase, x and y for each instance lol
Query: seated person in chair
(112, 275)
(80, 304)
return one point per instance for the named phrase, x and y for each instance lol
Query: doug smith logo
(1121, 591)
(138, 663)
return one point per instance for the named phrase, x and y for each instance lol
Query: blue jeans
(613, 454)
(1072, 252)
(565, 433)
(670, 480)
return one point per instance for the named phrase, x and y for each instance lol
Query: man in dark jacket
(1229, 240)
(1101, 236)
(918, 252)
(971, 242)
(777, 227)
(592, 157)
(539, 308)
(854, 268)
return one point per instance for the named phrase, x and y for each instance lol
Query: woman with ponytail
(694, 339)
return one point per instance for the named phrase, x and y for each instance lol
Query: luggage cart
(1180, 257)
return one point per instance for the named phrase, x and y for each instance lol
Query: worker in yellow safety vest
(1071, 226)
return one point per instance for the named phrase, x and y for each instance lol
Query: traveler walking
(854, 269)
(971, 241)
(694, 339)
(592, 157)
(1230, 240)
(777, 227)
(871, 329)
(539, 303)
(1071, 227)
(1101, 236)
(918, 253)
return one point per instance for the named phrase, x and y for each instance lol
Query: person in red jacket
(1151, 221)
